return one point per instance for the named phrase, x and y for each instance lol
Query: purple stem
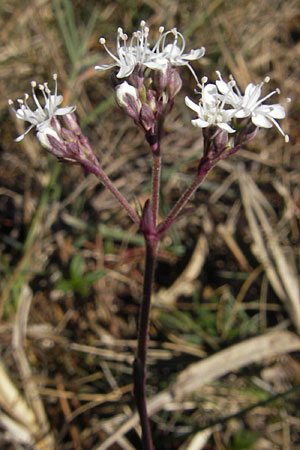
(139, 366)
(204, 167)
(156, 170)
(92, 168)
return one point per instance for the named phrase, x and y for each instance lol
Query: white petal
(261, 121)
(276, 111)
(209, 94)
(106, 66)
(42, 136)
(194, 54)
(64, 110)
(226, 127)
(172, 51)
(190, 104)
(252, 94)
(157, 64)
(125, 71)
(222, 86)
(55, 100)
(200, 123)
(124, 89)
(242, 113)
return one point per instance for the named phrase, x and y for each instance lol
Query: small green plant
(79, 281)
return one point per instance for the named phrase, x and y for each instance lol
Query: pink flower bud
(147, 118)
(175, 83)
(71, 123)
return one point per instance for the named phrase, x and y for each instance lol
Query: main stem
(139, 367)
(156, 184)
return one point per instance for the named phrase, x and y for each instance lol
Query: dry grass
(228, 276)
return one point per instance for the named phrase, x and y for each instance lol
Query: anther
(102, 40)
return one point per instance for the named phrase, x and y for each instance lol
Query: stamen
(33, 86)
(286, 136)
(265, 97)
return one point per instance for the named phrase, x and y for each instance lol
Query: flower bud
(71, 123)
(147, 118)
(175, 83)
(137, 78)
(43, 137)
(127, 98)
(161, 78)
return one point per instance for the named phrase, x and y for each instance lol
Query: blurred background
(71, 262)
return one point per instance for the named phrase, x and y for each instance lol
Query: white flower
(250, 105)
(210, 109)
(41, 116)
(137, 51)
(174, 51)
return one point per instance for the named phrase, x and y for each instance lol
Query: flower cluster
(66, 142)
(147, 97)
(41, 116)
(136, 51)
(223, 106)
